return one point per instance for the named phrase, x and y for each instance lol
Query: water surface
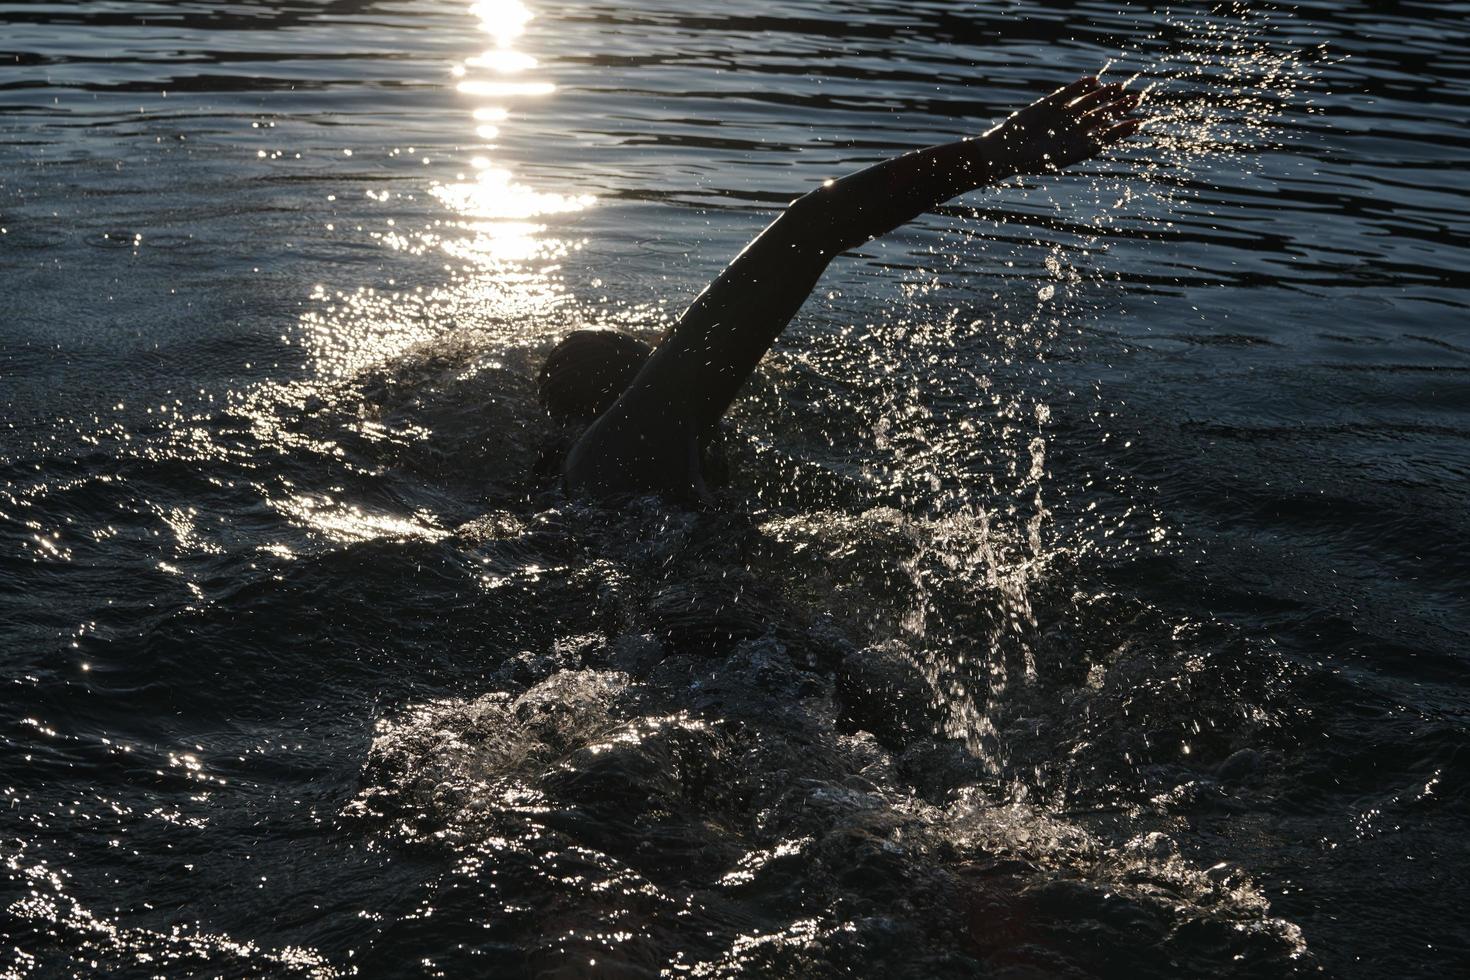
(1088, 599)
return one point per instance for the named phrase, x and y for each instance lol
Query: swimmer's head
(586, 372)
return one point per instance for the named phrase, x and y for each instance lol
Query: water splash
(969, 447)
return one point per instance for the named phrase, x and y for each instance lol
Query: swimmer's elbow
(811, 203)
(821, 222)
(823, 206)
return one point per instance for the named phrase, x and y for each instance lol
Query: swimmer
(651, 414)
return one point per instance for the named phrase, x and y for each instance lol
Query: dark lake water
(1089, 598)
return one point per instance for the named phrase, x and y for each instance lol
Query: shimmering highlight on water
(1087, 600)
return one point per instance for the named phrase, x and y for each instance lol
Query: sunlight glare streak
(493, 194)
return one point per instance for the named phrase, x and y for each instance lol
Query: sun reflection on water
(492, 231)
(505, 20)
(499, 288)
(494, 194)
(502, 205)
(345, 522)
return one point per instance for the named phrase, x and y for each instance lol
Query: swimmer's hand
(1072, 124)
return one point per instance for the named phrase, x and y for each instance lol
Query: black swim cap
(586, 372)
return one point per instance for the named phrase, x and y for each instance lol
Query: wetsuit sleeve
(701, 363)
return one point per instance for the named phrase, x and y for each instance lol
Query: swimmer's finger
(1068, 93)
(1120, 132)
(1109, 112)
(1100, 96)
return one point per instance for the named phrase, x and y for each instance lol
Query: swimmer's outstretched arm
(696, 370)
